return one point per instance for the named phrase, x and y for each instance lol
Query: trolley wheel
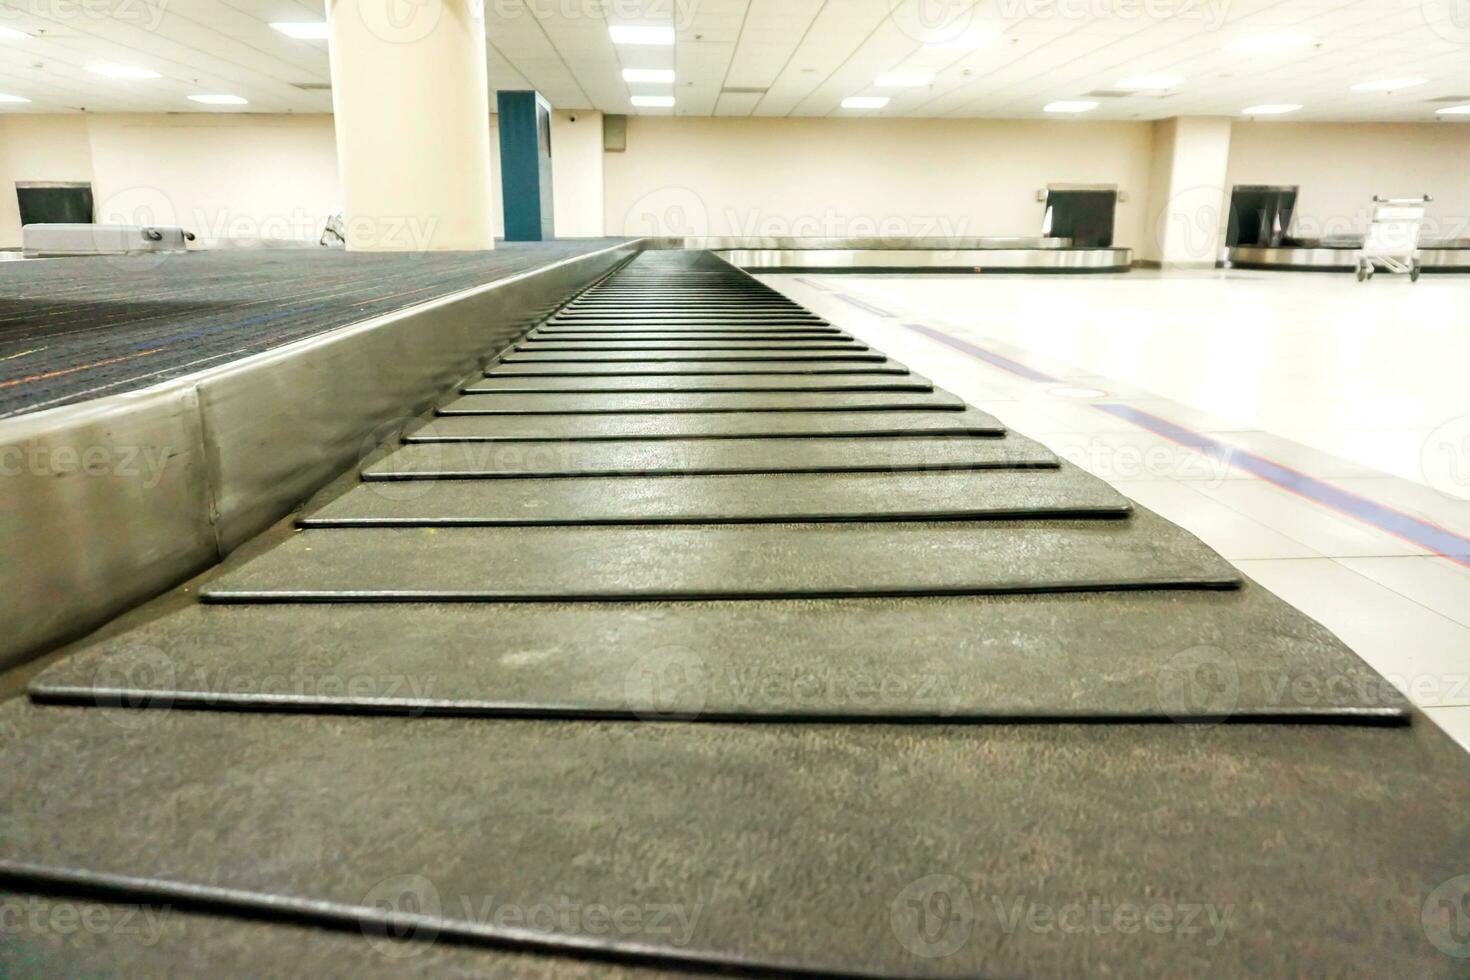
(1414, 272)
(1362, 273)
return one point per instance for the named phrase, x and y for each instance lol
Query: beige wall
(856, 177)
(576, 173)
(242, 175)
(38, 147)
(249, 177)
(1340, 166)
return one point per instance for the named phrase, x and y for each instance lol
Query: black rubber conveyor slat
(652, 457)
(650, 403)
(637, 368)
(1075, 656)
(751, 498)
(710, 561)
(743, 382)
(710, 425)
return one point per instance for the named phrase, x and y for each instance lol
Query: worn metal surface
(1189, 656)
(660, 403)
(710, 425)
(1271, 850)
(940, 495)
(112, 500)
(649, 457)
(703, 561)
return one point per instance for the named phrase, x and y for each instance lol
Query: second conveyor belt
(697, 606)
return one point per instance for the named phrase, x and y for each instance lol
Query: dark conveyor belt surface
(72, 329)
(777, 662)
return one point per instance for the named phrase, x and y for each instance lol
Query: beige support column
(412, 107)
(1188, 197)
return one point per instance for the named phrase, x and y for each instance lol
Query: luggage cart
(1393, 237)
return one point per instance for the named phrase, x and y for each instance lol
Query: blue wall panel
(525, 166)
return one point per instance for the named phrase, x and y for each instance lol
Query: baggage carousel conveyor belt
(786, 683)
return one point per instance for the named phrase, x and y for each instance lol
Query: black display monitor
(1085, 216)
(1260, 215)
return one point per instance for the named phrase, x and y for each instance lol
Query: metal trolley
(1393, 237)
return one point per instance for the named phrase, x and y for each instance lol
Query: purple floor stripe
(1000, 361)
(1431, 537)
(865, 307)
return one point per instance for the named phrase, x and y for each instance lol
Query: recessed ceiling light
(904, 79)
(648, 74)
(1270, 43)
(653, 101)
(219, 100)
(966, 41)
(1070, 105)
(623, 34)
(11, 33)
(865, 102)
(1454, 110)
(13, 98)
(123, 71)
(1389, 84)
(1150, 83)
(1272, 109)
(302, 31)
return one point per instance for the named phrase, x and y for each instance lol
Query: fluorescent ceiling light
(1070, 105)
(13, 98)
(1389, 84)
(653, 101)
(648, 74)
(1270, 43)
(865, 102)
(11, 33)
(622, 34)
(219, 100)
(1273, 109)
(1454, 110)
(123, 71)
(302, 31)
(1150, 83)
(965, 41)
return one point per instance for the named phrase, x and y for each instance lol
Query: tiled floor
(1358, 386)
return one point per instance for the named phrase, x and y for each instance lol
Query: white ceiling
(803, 56)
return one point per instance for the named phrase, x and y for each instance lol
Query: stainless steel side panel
(1340, 259)
(1444, 259)
(1061, 260)
(107, 503)
(101, 505)
(1293, 258)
